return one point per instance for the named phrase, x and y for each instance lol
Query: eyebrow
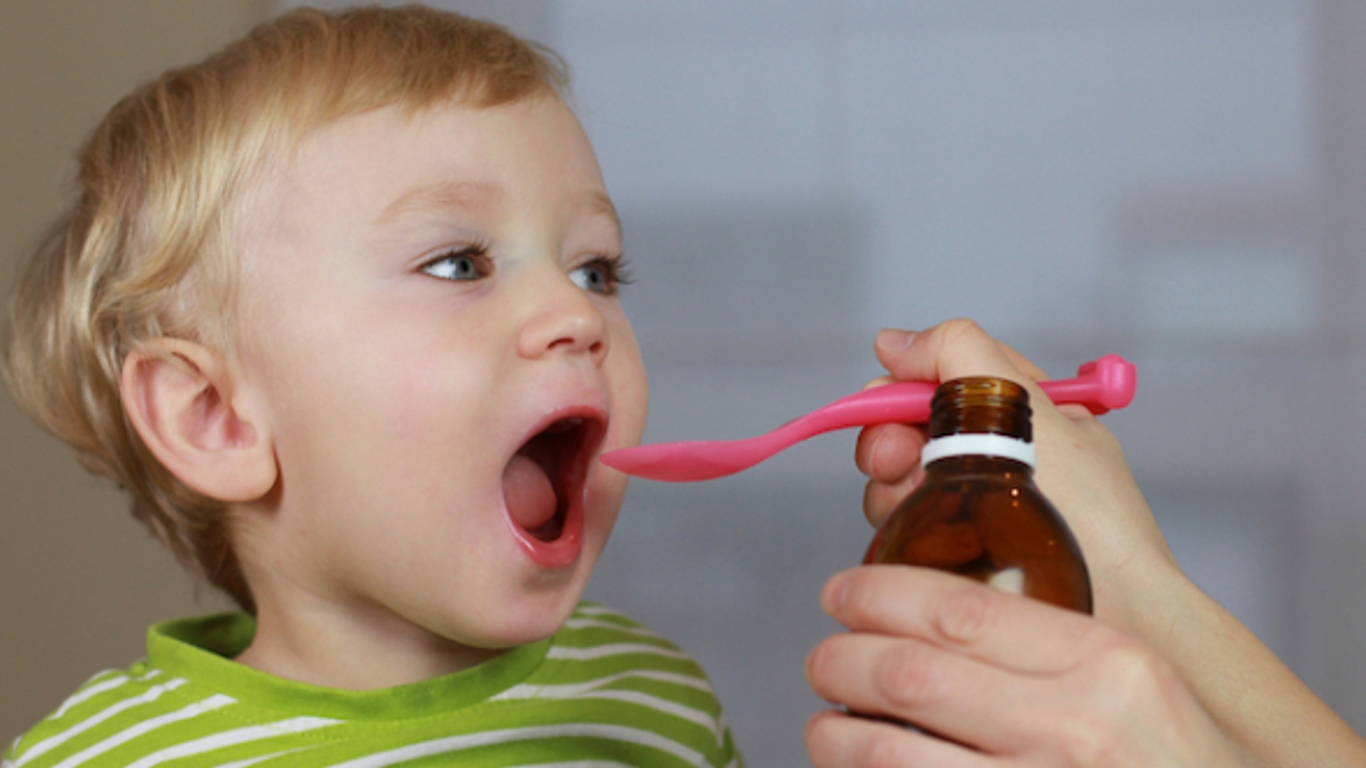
(463, 194)
(599, 202)
(477, 194)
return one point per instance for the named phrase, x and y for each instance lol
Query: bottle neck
(989, 445)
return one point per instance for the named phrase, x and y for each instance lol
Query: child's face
(423, 296)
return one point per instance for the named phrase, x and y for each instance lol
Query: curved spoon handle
(1100, 385)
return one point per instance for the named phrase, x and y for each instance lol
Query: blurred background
(1179, 181)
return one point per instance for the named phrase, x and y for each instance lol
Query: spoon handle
(1100, 385)
(904, 402)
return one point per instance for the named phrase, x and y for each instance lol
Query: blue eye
(470, 263)
(604, 275)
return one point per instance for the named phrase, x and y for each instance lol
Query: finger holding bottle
(889, 454)
(1002, 679)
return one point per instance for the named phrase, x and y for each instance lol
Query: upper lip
(594, 417)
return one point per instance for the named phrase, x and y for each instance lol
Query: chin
(531, 621)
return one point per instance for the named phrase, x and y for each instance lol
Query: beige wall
(79, 580)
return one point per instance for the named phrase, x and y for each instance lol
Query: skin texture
(1161, 676)
(420, 295)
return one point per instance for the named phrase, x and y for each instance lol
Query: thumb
(951, 350)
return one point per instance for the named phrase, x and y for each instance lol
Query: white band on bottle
(978, 445)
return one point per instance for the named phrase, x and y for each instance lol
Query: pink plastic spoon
(1100, 385)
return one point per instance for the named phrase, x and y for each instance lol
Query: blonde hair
(145, 251)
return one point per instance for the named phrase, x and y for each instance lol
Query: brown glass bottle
(978, 512)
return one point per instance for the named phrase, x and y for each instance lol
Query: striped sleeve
(141, 717)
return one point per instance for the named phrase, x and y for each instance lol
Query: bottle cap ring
(973, 444)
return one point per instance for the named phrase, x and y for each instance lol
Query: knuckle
(960, 325)
(1095, 735)
(904, 675)
(1132, 667)
(863, 602)
(966, 615)
(959, 328)
(1085, 739)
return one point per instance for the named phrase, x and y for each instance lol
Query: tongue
(528, 493)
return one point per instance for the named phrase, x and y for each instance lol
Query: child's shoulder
(96, 703)
(120, 716)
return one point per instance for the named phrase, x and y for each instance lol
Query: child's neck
(322, 646)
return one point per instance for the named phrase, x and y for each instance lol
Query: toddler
(338, 307)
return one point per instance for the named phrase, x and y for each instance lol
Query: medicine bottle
(978, 512)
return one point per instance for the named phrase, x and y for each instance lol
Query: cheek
(424, 398)
(369, 426)
(630, 387)
(419, 432)
(603, 497)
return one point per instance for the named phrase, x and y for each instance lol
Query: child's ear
(179, 396)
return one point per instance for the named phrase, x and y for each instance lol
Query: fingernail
(894, 339)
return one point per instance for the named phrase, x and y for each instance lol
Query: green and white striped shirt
(603, 691)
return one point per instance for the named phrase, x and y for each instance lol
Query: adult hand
(1004, 680)
(1145, 681)
(1081, 467)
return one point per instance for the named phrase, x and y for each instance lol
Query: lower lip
(564, 550)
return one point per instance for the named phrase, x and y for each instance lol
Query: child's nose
(563, 320)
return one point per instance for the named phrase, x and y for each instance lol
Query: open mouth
(543, 483)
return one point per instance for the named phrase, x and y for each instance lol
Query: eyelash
(476, 252)
(614, 268)
(614, 271)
